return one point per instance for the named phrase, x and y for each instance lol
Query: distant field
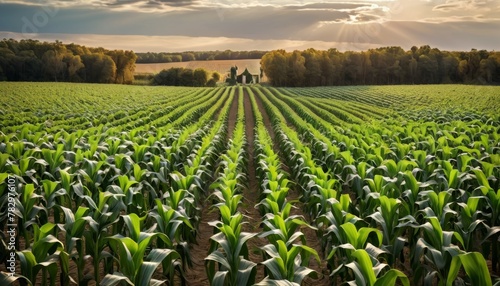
(221, 67)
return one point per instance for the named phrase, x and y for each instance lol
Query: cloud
(131, 5)
(459, 19)
(461, 5)
(357, 24)
(175, 5)
(353, 13)
(139, 43)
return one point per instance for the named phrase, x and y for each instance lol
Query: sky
(201, 25)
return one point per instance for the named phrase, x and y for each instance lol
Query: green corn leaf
(133, 223)
(309, 250)
(4, 158)
(283, 252)
(220, 278)
(390, 278)
(115, 279)
(125, 247)
(11, 280)
(474, 265)
(483, 181)
(154, 259)
(65, 180)
(365, 265)
(300, 273)
(218, 257)
(271, 282)
(276, 267)
(46, 246)
(246, 273)
(28, 263)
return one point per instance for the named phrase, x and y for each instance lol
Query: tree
(99, 68)
(181, 77)
(53, 64)
(296, 69)
(275, 65)
(216, 76)
(427, 69)
(73, 65)
(413, 70)
(186, 57)
(487, 68)
(463, 70)
(30, 66)
(386, 65)
(200, 77)
(312, 64)
(449, 69)
(125, 65)
(32, 60)
(353, 68)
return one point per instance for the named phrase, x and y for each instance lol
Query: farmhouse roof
(253, 71)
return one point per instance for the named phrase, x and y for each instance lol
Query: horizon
(295, 45)
(188, 25)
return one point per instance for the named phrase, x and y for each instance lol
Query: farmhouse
(246, 77)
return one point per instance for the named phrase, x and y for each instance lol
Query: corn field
(112, 185)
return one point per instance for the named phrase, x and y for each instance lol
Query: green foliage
(117, 179)
(381, 66)
(182, 77)
(65, 62)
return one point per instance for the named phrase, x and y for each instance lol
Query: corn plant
(226, 193)
(227, 263)
(177, 226)
(29, 209)
(105, 212)
(44, 253)
(283, 227)
(133, 261)
(366, 273)
(387, 217)
(74, 227)
(434, 252)
(493, 200)
(348, 238)
(285, 262)
(470, 222)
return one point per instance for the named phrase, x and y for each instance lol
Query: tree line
(387, 65)
(197, 56)
(186, 77)
(32, 60)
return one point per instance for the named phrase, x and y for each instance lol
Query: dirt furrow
(197, 275)
(232, 117)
